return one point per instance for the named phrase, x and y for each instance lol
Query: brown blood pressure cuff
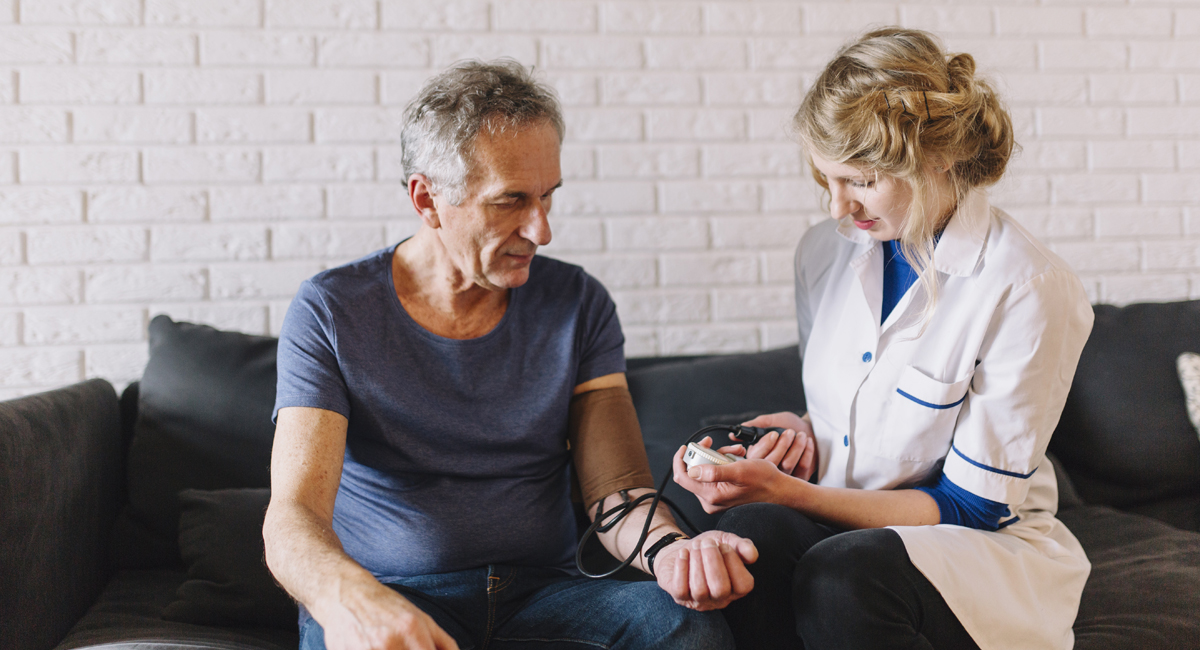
(606, 444)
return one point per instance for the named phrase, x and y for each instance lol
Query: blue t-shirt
(456, 451)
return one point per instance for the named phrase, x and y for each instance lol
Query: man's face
(493, 234)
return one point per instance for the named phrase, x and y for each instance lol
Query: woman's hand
(794, 451)
(720, 487)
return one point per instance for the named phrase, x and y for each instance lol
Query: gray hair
(442, 122)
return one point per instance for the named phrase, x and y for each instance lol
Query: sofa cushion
(1125, 438)
(204, 422)
(220, 539)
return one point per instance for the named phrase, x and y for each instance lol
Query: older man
(432, 397)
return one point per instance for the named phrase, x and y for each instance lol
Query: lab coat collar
(961, 246)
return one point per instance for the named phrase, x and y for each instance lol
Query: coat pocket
(921, 416)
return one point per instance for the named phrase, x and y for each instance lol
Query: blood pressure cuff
(606, 444)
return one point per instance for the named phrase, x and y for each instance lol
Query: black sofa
(132, 522)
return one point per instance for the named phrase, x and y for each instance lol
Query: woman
(939, 341)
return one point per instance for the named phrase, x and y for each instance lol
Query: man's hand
(378, 618)
(794, 451)
(707, 572)
(720, 487)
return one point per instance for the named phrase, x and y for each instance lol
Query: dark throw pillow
(228, 584)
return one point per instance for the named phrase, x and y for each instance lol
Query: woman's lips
(864, 225)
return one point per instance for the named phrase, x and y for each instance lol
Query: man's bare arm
(304, 554)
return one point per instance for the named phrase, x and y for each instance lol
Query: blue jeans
(507, 608)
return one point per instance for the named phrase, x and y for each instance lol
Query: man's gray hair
(442, 122)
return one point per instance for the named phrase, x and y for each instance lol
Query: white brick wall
(201, 157)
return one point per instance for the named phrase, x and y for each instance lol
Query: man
(427, 397)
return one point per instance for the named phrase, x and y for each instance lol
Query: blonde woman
(912, 506)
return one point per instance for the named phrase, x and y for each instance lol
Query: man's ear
(420, 192)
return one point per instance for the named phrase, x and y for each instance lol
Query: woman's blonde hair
(894, 102)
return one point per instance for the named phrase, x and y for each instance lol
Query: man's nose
(841, 201)
(537, 223)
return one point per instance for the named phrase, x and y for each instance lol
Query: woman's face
(876, 203)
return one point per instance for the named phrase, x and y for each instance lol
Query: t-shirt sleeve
(308, 370)
(602, 343)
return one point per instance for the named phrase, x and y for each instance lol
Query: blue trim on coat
(932, 406)
(991, 469)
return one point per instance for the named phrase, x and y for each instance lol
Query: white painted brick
(333, 14)
(1134, 88)
(1189, 155)
(1169, 188)
(973, 21)
(136, 46)
(757, 232)
(80, 244)
(37, 205)
(93, 324)
(727, 160)
(393, 50)
(129, 125)
(263, 280)
(446, 15)
(655, 88)
(1121, 290)
(265, 48)
(591, 52)
(556, 16)
(757, 303)
(756, 18)
(1025, 123)
(657, 233)
(574, 89)
(651, 18)
(1051, 154)
(1050, 224)
(1172, 255)
(578, 163)
(208, 243)
(321, 87)
(662, 307)
(219, 13)
(368, 201)
(79, 86)
(39, 286)
(81, 12)
(401, 87)
(709, 268)
(32, 125)
(640, 342)
(39, 368)
(276, 310)
(401, 229)
(259, 202)
(648, 161)
(574, 234)
(1081, 121)
(454, 47)
(8, 13)
(78, 165)
(390, 167)
(30, 45)
(200, 165)
(249, 317)
(8, 87)
(191, 87)
(848, 18)
(1133, 155)
(1164, 54)
(779, 265)
(1139, 222)
(696, 124)
(795, 52)
(10, 328)
(8, 167)
(253, 125)
(142, 204)
(613, 197)
(617, 271)
(368, 125)
(318, 164)
(771, 124)
(1084, 55)
(1100, 257)
(1093, 188)
(1042, 89)
(116, 362)
(144, 283)
(595, 125)
(752, 89)
(1126, 22)
(993, 55)
(1026, 21)
(323, 241)
(707, 53)
(1021, 189)
(709, 339)
(792, 195)
(778, 335)
(709, 196)
(1164, 121)
(1189, 85)
(1187, 22)
(11, 248)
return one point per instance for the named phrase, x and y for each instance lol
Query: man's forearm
(621, 540)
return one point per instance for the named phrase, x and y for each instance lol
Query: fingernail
(694, 472)
(725, 548)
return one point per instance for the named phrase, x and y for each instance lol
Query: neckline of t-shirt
(412, 324)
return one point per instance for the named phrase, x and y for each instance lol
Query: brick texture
(201, 158)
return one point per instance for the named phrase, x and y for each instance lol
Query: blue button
(866, 357)
(846, 441)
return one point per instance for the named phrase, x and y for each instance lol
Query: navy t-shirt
(456, 451)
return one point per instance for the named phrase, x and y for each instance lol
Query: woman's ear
(420, 192)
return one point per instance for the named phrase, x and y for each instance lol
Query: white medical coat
(978, 393)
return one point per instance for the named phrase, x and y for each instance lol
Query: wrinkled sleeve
(308, 370)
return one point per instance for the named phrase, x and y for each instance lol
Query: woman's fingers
(794, 454)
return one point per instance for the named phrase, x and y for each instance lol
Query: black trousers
(816, 588)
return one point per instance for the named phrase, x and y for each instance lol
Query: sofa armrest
(60, 484)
